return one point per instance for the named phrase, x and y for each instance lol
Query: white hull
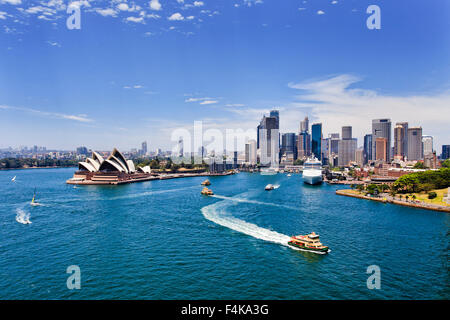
(312, 177)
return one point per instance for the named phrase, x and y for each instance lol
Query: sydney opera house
(113, 170)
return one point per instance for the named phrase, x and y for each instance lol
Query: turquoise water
(163, 240)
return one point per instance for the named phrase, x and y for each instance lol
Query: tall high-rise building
(252, 152)
(269, 141)
(427, 142)
(144, 148)
(399, 136)
(381, 145)
(304, 125)
(247, 153)
(359, 157)
(415, 143)
(276, 114)
(381, 128)
(367, 148)
(316, 141)
(347, 147)
(303, 145)
(346, 132)
(445, 152)
(401, 139)
(288, 144)
(333, 145)
(325, 150)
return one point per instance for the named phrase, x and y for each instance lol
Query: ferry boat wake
(217, 213)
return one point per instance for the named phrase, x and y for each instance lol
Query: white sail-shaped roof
(94, 163)
(86, 166)
(131, 167)
(98, 157)
(111, 165)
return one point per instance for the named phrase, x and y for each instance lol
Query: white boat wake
(22, 216)
(217, 213)
(254, 202)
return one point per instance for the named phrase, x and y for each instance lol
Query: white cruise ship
(312, 171)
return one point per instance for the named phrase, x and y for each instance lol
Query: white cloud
(136, 19)
(54, 44)
(108, 12)
(3, 15)
(155, 5)
(176, 17)
(197, 99)
(320, 12)
(123, 7)
(334, 2)
(190, 18)
(79, 117)
(198, 3)
(209, 102)
(13, 2)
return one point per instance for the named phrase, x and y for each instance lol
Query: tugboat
(309, 242)
(269, 187)
(207, 192)
(206, 183)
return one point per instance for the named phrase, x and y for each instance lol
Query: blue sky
(136, 70)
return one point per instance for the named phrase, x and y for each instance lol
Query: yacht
(312, 171)
(269, 187)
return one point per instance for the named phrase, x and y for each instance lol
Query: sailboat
(33, 201)
(13, 179)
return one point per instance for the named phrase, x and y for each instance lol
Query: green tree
(445, 163)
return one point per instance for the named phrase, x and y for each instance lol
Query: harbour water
(163, 240)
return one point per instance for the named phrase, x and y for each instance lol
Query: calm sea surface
(163, 240)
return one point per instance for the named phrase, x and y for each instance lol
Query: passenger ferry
(312, 171)
(207, 192)
(309, 242)
(206, 183)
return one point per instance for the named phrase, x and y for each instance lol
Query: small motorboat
(206, 183)
(207, 192)
(289, 175)
(269, 187)
(13, 179)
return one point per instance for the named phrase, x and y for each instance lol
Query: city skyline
(227, 66)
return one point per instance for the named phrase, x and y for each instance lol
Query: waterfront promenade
(389, 199)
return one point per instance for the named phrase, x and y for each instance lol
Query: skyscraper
(445, 152)
(304, 125)
(347, 147)
(316, 142)
(252, 152)
(401, 139)
(303, 145)
(144, 148)
(381, 145)
(367, 148)
(427, 142)
(346, 132)
(288, 144)
(381, 128)
(415, 144)
(269, 141)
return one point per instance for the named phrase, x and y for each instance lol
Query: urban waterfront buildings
(367, 148)
(445, 152)
(401, 140)
(316, 141)
(427, 142)
(269, 140)
(347, 147)
(381, 149)
(288, 146)
(415, 144)
(381, 128)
